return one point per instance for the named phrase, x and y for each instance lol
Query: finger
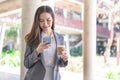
(64, 51)
(65, 58)
(46, 43)
(46, 46)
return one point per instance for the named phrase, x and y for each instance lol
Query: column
(2, 35)
(118, 49)
(66, 39)
(89, 39)
(28, 10)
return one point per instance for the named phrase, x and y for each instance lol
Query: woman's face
(46, 21)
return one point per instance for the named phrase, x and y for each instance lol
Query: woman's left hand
(64, 55)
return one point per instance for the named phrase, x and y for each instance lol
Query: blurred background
(69, 22)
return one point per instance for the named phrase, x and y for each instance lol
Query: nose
(45, 23)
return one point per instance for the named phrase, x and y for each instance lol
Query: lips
(46, 26)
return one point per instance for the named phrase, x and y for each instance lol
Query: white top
(49, 59)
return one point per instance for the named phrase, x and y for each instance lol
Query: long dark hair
(33, 38)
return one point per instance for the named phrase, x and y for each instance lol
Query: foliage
(76, 51)
(11, 33)
(10, 58)
(113, 76)
(110, 75)
(118, 76)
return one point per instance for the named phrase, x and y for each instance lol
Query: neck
(48, 32)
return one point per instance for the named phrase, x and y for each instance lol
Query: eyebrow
(43, 19)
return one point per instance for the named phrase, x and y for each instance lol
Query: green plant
(76, 51)
(113, 76)
(110, 75)
(10, 58)
(11, 33)
(118, 76)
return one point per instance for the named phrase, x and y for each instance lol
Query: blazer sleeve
(62, 63)
(30, 56)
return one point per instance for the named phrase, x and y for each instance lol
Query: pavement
(9, 76)
(64, 76)
(67, 75)
(7, 73)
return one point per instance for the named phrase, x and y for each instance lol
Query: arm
(30, 57)
(63, 59)
(62, 63)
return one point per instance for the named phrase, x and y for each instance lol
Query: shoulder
(58, 35)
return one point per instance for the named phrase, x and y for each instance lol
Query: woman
(41, 58)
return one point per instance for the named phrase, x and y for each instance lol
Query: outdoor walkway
(64, 76)
(7, 73)
(9, 76)
(102, 71)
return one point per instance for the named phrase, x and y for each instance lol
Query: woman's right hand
(42, 46)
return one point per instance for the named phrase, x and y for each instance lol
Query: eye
(48, 20)
(41, 20)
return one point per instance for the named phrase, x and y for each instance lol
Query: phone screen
(47, 39)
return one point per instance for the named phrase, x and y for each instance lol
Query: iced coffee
(60, 48)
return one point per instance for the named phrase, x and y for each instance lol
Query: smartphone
(47, 39)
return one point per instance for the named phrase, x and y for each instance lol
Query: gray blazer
(36, 71)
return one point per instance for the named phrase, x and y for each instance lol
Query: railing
(103, 32)
(60, 20)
